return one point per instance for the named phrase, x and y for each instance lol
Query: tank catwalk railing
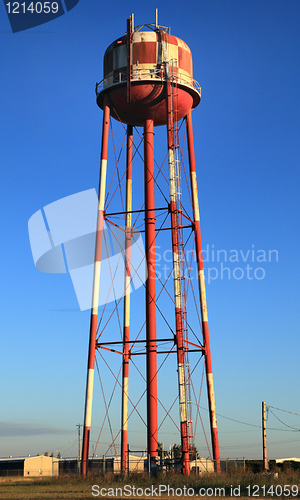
(147, 74)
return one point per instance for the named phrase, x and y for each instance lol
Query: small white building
(29, 466)
(281, 460)
(136, 464)
(202, 465)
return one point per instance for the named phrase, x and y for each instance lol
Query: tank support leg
(126, 324)
(95, 298)
(201, 282)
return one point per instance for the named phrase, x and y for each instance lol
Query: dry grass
(75, 487)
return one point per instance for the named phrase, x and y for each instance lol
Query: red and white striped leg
(203, 305)
(95, 297)
(126, 326)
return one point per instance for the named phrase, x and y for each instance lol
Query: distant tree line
(176, 452)
(46, 454)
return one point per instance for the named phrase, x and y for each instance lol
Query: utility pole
(79, 425)
(264, 435)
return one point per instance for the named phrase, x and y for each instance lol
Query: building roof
(280, 460)
(22, 459)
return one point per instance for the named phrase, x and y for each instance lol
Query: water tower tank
(149, 55)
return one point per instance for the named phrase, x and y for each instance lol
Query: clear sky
(246, 58)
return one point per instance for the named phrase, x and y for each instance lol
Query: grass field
(233, 484)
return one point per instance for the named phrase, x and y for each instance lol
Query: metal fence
(112, 465)
(11, 472)
(165, 465)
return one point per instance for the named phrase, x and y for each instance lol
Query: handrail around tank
(145, 75)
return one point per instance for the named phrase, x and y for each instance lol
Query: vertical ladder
(174, 100)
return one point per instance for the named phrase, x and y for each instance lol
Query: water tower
(148, 82)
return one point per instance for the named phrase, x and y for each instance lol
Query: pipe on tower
(151, 353)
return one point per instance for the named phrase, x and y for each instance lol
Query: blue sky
(246, 129)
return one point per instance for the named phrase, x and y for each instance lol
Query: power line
(294, 429)
(286, 411)
(255, 425)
